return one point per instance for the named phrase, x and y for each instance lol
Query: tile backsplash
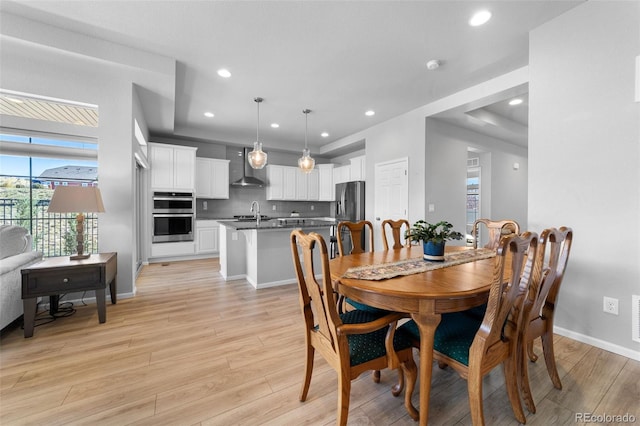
(240, 200)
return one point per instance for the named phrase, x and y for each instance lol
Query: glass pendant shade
(306, 163)
(257, 158)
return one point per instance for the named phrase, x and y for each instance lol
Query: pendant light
(257, 158)
(306, 163)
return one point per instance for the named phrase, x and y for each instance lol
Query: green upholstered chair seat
(453, 337)
(365, 347)
(367, 308)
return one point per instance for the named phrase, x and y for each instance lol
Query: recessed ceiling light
(516, 101)
(370, 113)
(433, 64)
(223, 72)
(479, 18)
(275, 125)
(208, 114)
(324, 134)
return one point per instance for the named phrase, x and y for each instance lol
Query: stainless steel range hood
(247, 179)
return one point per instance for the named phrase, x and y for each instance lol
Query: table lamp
(80, 200)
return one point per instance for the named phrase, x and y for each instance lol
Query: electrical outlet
(610, 305)
(273, 207)
(312, 207)
(204, 205)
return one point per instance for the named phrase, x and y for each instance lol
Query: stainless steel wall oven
(173, 216)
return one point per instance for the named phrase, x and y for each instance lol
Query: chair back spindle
(356, 230)
(399, 238)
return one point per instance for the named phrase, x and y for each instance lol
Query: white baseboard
(607, 346)
(234, 277)
(275, 283)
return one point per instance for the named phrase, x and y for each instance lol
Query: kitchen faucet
(255, 209)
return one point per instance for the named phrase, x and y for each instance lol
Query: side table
(56, 275)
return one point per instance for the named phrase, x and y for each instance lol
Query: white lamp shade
(76, 199)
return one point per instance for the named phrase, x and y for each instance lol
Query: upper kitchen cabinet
(172, 167)
(212, 178)
(341, 174)
(326, 187)
(282, 182)
(291, 184)
(358, 167)
(275, 182)
(307, 185)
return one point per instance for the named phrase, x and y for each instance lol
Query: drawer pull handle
(66, 280)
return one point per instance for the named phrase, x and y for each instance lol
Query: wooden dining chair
(351, 342)
(539, 306)
(496, 230)
(395, 227)
(356, 232)
(473, 346)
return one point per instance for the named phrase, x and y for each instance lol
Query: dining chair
(496, 229)
(351, 342)
(474, 346)
(356, 232)
(395, 226)
(539, 306)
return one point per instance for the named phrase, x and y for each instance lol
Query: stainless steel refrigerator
(350, 207)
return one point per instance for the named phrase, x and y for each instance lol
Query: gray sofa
(15, 253)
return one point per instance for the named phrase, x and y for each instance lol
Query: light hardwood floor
(191, 349)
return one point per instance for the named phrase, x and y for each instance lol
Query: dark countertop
(275, 224)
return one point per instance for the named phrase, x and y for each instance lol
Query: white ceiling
(337, 58)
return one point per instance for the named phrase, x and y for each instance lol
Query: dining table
(399, 280)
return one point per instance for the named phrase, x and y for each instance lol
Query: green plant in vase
(433, 236)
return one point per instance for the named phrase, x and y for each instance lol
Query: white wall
(584, 155)
(503, 189)
(446, 176)
(39, 59)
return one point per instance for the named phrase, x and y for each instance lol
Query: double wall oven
(173, 216)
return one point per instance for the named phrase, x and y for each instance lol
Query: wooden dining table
(424, 296)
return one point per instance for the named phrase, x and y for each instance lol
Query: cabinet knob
(66, 280)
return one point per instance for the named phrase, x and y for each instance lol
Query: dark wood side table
(57, 275)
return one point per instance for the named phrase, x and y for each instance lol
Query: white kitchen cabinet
(207, 236)
(183, 248)
(212, 178)
(290, 180)
(326, 187)
(306, 185)
(281, 182)
(342, 174)
(275, 182)
(358, 168)
(172, 167)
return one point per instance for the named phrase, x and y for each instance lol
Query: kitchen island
(261, 253)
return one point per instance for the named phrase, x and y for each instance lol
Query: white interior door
(391, 194)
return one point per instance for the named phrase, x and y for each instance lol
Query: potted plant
(433, 236)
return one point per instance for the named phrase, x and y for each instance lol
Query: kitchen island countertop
(278, 224)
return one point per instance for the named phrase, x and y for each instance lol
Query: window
(473, 201)
(27, 183)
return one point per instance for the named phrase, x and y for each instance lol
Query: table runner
(384, 271)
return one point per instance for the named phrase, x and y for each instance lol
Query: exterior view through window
(27, 184)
